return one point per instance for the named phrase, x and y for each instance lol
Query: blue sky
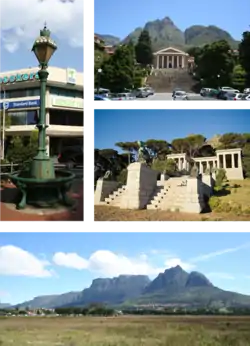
(119, 18)
(112, 126)
(20, 27)
(33, 264)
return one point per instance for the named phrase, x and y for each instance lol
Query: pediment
(170, 50)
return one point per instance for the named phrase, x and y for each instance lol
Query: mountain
(110, 40)
(50, 301)
(113, 291)
(4, 305)
(173, 287)
(164, 33)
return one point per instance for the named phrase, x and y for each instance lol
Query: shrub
(221, 177)
(214, 202)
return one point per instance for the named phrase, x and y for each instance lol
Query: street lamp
(44, 47)
(99, 71)
(40, 184)
(218, 76)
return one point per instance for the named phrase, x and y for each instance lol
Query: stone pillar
(233, 162)
(162, 61)
(157, 61)
(183, 62)
(224, 161)
(141, 184)
(207, 184)
(239, 160)
(194, 202)
(103, 189)
(167, 61)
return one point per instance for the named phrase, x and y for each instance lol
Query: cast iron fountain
(40, 184)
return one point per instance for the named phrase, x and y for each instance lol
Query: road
(168, 97)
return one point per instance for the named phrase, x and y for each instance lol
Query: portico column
(224, 161)
(239, 159)
(233, 162)
(167, 61)
(162, 61)
(157, 61)
(183, 62)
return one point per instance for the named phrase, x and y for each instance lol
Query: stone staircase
(114, 198)
(169, 79)
(171, 196)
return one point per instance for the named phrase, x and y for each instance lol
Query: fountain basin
(43, 193)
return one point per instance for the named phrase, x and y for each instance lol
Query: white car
(238, 97)
(180, 96)
(230, 89)
(246, 91)
(246, 97)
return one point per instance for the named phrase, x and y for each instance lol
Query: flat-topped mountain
(174, 286)
(164, 33)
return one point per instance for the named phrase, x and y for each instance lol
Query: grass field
(125, 331)
(239, 196)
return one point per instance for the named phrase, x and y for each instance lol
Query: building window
(23, 117)
(11, 94)
(66, 93)
(67, 118)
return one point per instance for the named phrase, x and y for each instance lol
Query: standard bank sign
(20, 104)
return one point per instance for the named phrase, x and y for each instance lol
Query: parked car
(101, 98)
(238, 97)
(226, 95)
(180, 96)
(122, 96)
(246, 91)
(143, 92)
(205, 91)
(246, 97)
(229, 89)
(71, 156)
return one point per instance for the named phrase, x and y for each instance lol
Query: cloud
(22, 20)
(108, 263)
(70, 260)
(15, 261)
(224, 276)
(210, 255)
(173, 262)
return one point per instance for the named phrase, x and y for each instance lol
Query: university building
(20, 100)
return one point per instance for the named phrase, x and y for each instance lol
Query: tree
(215, 64)
(232, 140)
(239, 77)
(244, 54)
(19, 151)
(143, 49)
(158, 148)
(168, 165)
(118, 70)
(131, 148)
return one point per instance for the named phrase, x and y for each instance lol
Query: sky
(112, 126)
(119, 18)
(34, 264)
(21, 21)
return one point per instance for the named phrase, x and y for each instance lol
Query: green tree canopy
(215, 60)
(143, 49)
(244, 53)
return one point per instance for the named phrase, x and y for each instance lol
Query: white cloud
(224, 276)
(107, 263)
(210, 255)
(21, 21)
(70, 260)
(15, 261)
(173, 262)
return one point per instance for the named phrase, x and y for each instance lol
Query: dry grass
(239, 195)
(125, 331)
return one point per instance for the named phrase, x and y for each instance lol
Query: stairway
(170, 197)
(114, 199)
(169, 79)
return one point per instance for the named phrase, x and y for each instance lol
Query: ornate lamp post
(40, 184)
(44, 47)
